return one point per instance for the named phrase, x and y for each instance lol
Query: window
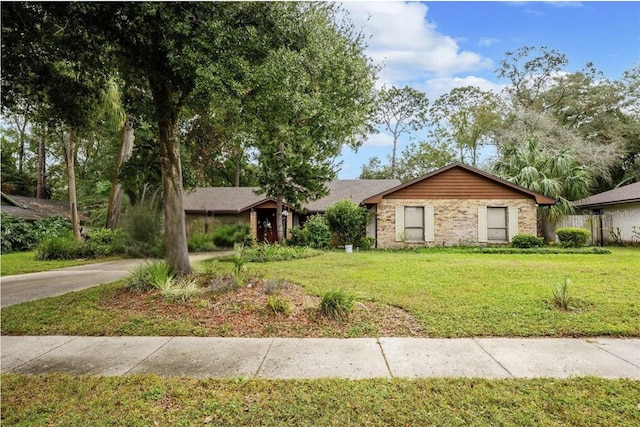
(414, 223)
(497, 224)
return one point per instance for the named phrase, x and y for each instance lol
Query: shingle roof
(626, 194)
(30, 208)
(355, 190)
(221, 199)
(237, 199)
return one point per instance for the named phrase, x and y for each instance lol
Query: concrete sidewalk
(285, 358)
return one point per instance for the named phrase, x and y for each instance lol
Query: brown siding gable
(459, 181)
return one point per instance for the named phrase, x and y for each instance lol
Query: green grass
(451, 294)
(466, 295)
(149, 400)
(82, 313)
(25, 262)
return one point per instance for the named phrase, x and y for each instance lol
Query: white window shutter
(429, 225)
(482, 224)
(513, 222)
(399, 223)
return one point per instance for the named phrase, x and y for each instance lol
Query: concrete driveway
(31, 286)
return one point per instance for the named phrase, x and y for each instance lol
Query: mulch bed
(244, 312)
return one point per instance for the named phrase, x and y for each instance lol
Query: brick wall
(456, 220)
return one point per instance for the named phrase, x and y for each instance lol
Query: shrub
(348, 221)
(142, 225)
(337, 304)
(297, 237)
(275, 252)
(526, 241)
(60, 248)
(227, 235)
(67, 247)
(367, 243)
(221, 283)
(272, 286)
(19, 235)
(201, 242)
(316, 232)
(571, 237)
(279, 305)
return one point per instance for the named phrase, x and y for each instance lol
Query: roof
(626, 194)
(222, 199)
(238, 199)
(356, 190)
(30, 208)
(539, 198)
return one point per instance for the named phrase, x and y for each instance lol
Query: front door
(267, 226)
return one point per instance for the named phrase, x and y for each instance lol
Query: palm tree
(557, 175)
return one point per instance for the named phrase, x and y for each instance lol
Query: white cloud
(487, 41)
(409, 46)
(434, 88)
(379, 140)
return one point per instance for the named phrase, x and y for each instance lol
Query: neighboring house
(208, 208)
(31, 209)
(455, 205)
(616, 211)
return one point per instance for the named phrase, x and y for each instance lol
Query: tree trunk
(175, 234)
(393, 157)
(280, 228)
(71, 174)
(22, 137)
(238, 166)
(40, 174)
(115, 198)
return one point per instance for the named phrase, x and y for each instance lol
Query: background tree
(36, 71)
(375, 169)
(400, 111)
(558, 175)
(531, 71)
(466, 118)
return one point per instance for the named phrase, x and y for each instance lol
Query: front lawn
(26, 262)
(149, 400)
(468, 295)
(433, 294)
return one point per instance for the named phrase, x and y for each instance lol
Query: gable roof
(238, 199)
(626, 194)
(30, 208)
(539, 198)
(356, 190)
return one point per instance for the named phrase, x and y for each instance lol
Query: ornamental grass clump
(279, 305)
(337, 304)
(149, 276)
(562, 298)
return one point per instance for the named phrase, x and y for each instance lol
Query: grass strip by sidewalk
(151, 400)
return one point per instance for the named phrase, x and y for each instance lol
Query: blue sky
(436, 46)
